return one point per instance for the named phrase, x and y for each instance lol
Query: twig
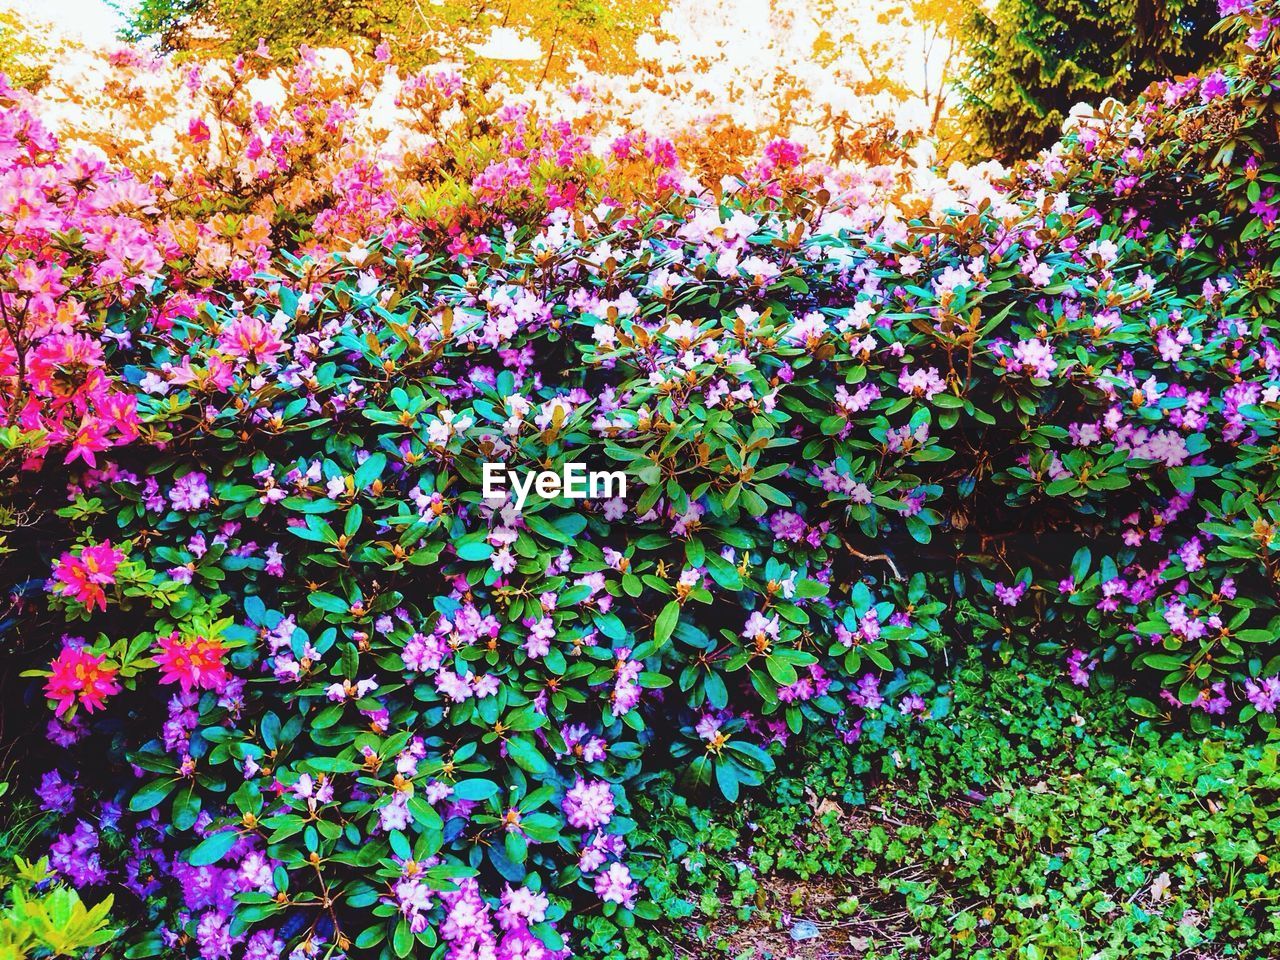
(876, 556)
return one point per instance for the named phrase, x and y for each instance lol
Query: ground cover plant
(296, 688)
(1023, 816)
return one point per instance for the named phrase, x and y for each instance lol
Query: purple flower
(190, 492)
(1077, 669)
(55, 793)
(615, 886)
(75, 856)
(1214, 700)
(1010, 596)
(1263, 693)
(912, 705)
(214, 939)
(867, 693)
(264, 945)
(588, 804)
(1213, 86)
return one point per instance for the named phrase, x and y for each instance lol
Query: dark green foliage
(1030, 820)
(1033, 60)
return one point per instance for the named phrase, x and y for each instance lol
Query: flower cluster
(372, 710)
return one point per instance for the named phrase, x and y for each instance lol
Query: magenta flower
(82, 577)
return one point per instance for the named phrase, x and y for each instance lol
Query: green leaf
(811, 588)
(527, 756)
(474, 550)
(1143, 707)
(695, 552)
(1164, 661)
(328, 603)
(402, 939)
(370, 470)
(723, 572)
(186, 808)
(781, 671)
(727, 780)
(546, 530)
(666, 622)
(213, 848)
(151, 795)
(475, 789)
(517, 848)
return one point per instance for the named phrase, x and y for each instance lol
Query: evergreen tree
(1031, 61)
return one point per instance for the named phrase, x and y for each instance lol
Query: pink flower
(1035, 356)
(395, 815)
(83, 577)
(453, 686)
(80, 676)
(522, 904)
(251, 338)
(504, 561)
(912, 704)
(89, 439)
(538, 643)
(195, 663)
(1213, 86)
(867, 693)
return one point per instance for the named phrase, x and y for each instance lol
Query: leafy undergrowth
(1025, 818)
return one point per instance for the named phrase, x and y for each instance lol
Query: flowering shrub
(244, 152)
(329, 699)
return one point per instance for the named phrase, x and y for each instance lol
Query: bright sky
(93, 21)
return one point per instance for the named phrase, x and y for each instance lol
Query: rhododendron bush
(310, 694)
(339, 144)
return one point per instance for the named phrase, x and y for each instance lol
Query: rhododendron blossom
(80, 677)
(83, 576)
(588, 804)
(195, 663)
